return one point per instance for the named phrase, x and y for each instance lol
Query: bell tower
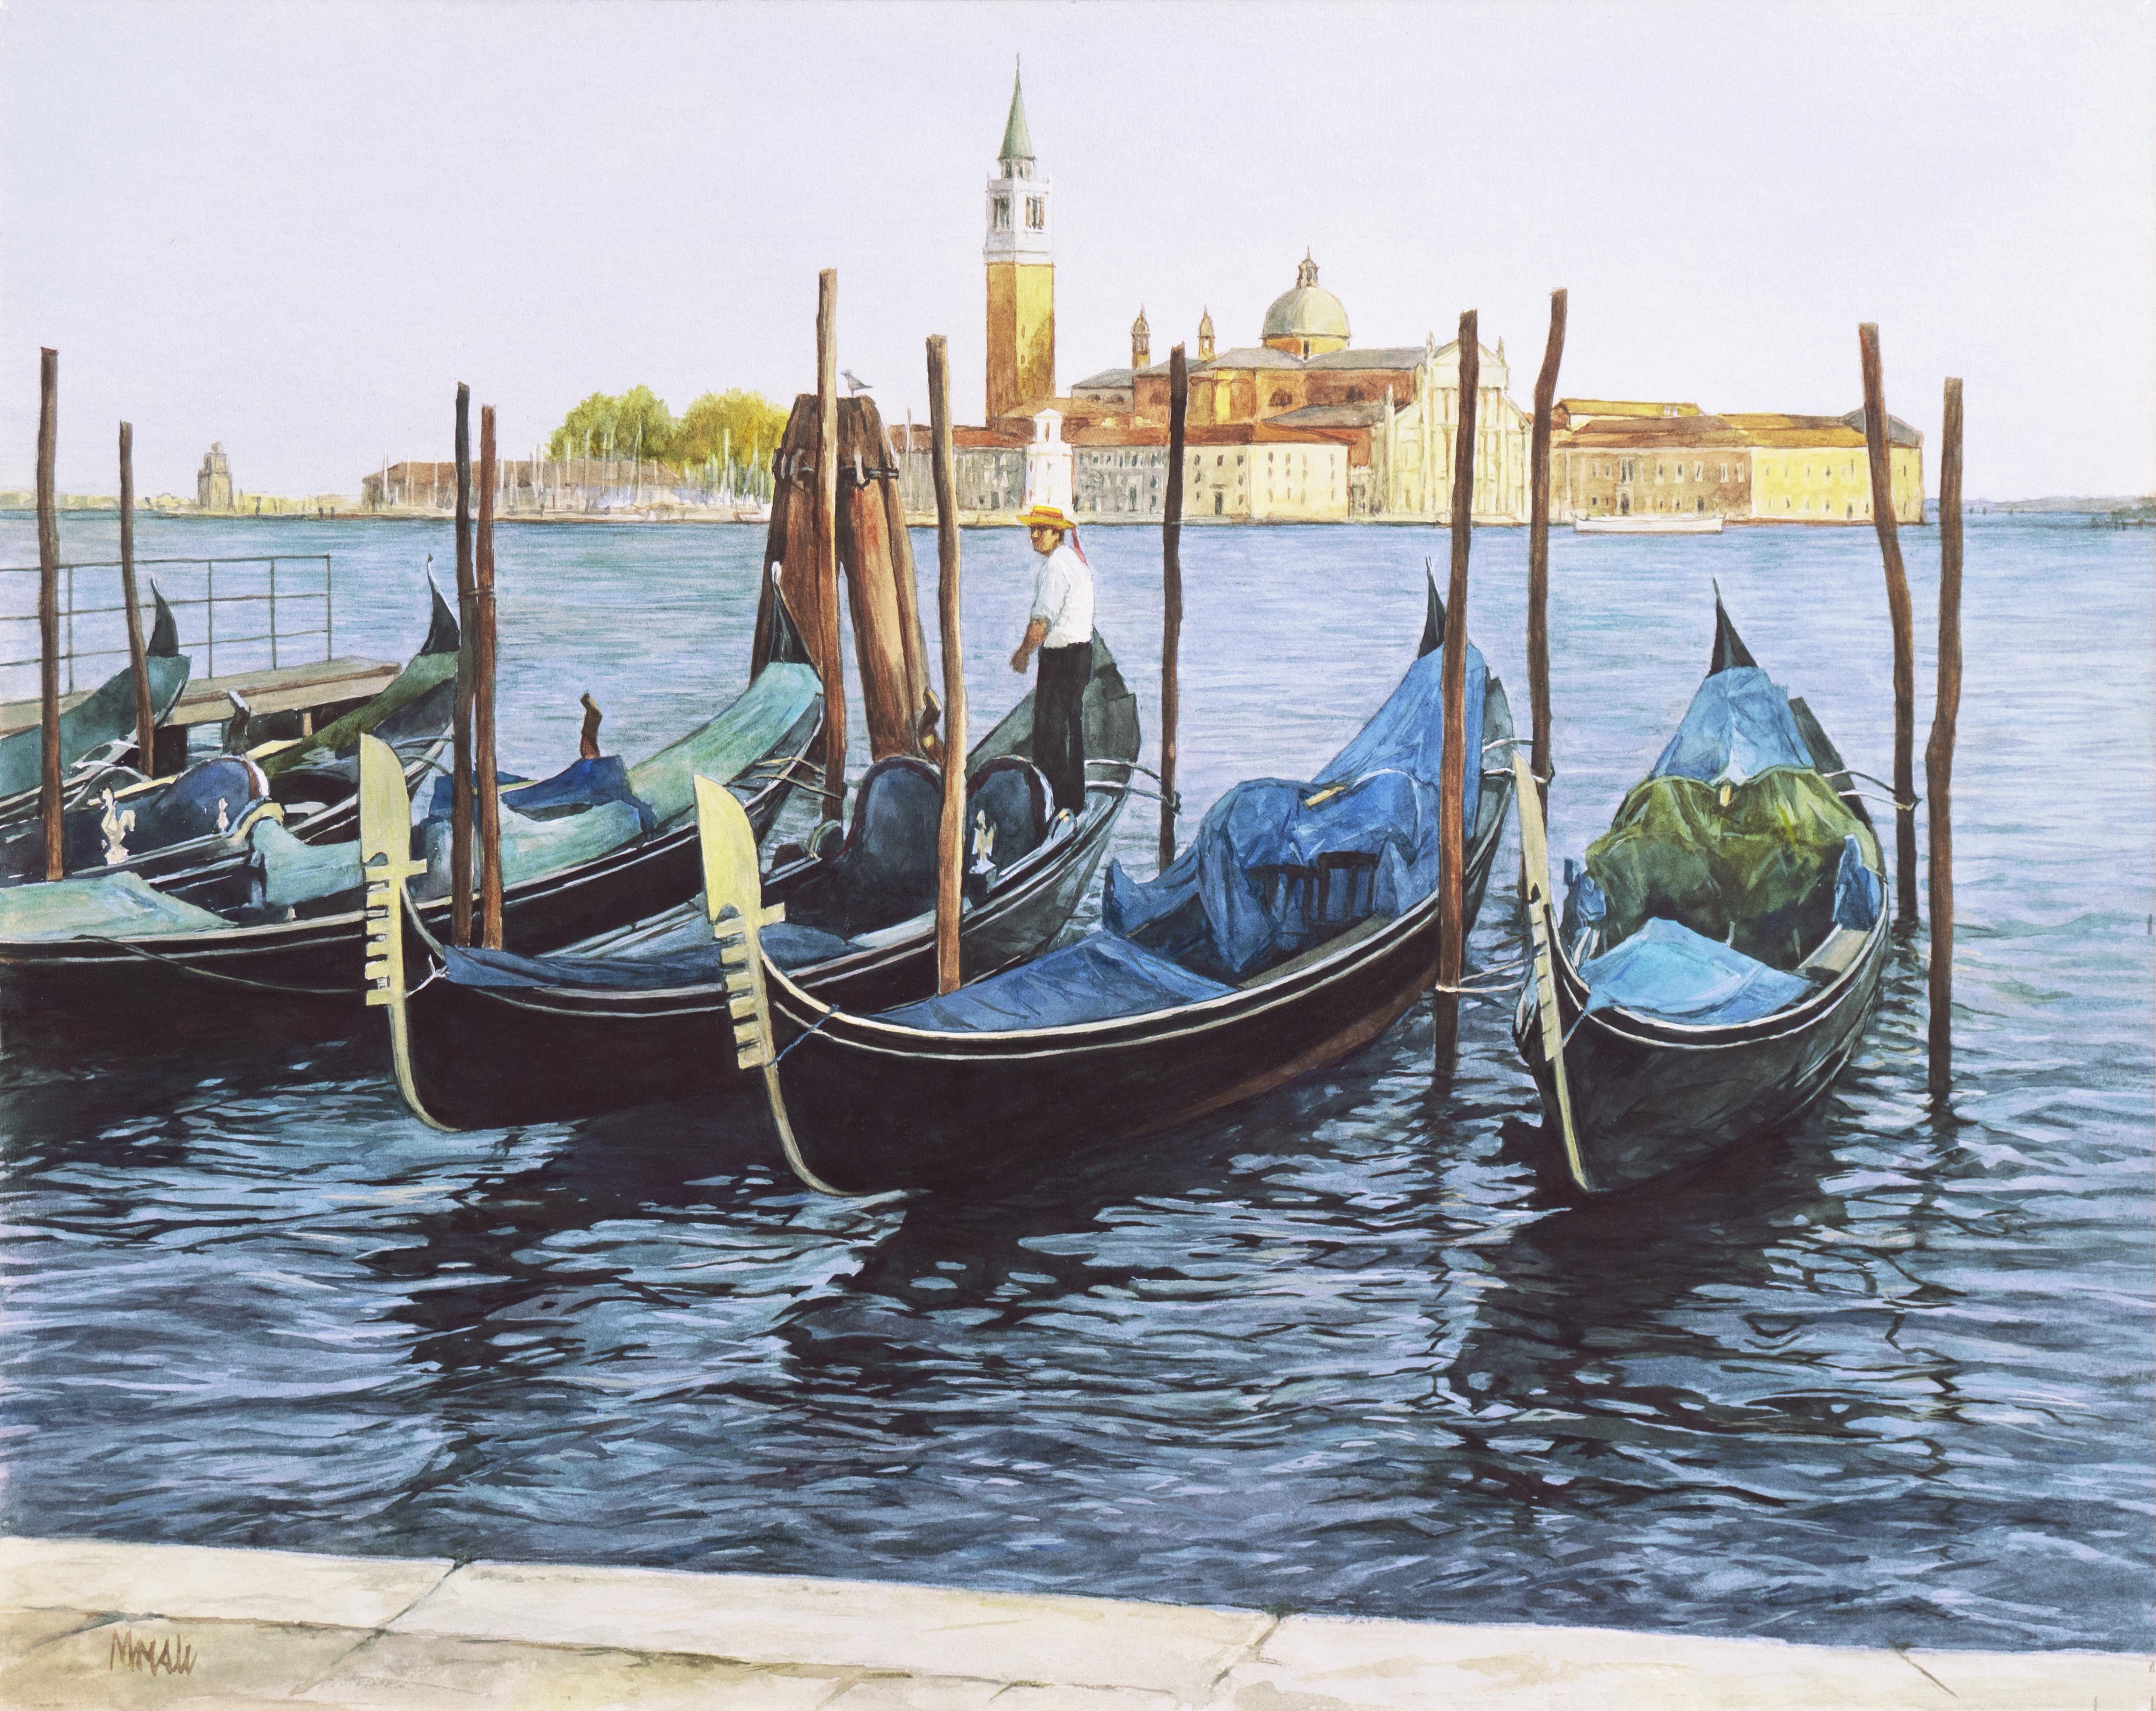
(1021, 263)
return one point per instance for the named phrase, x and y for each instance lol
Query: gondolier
(1061, 627)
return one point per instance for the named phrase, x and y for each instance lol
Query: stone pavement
(88, 1623)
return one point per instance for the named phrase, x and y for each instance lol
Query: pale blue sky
(294, 228)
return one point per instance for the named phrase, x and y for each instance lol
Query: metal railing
(280, 635)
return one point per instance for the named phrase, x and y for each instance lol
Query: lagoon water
(1885, 1380)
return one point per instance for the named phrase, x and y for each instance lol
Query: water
(1886, 1380)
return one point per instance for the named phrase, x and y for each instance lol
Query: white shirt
(1063, 597)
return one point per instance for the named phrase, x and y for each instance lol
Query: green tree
(744, 424)
(636, 424)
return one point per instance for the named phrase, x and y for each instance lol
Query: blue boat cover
(1858, 894)
(584, 784)
(1221, 908)
(1667, 972)
(1738, 726)
(687, 956)
(1099, 976)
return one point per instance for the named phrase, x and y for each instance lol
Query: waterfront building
(1020, 254)
(1613, 457)
(213, 480)
(1815, 468)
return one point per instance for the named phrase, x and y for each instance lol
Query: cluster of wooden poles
(476, 799)
(50, 803)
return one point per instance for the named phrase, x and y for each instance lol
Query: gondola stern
(443, 636)
(1433, 622)
(164, 642)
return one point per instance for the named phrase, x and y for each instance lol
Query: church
(1300, 427)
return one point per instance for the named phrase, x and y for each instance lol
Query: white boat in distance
(1672, 524)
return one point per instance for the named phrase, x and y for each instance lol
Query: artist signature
(165, 1657)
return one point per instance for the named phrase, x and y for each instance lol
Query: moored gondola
(1719, 950)
(601, 846)
(638, 1015)
(190, 833)
(1301, 923)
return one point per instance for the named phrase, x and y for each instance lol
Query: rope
(205, 974)
(796, 1041)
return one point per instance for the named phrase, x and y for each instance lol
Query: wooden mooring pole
(1452, 781)
(145, 717)
(951, 829)
(1938, 752)
(49, 613)
(1538, 456)
(1171, 594)
(1877, 449)
(827, 516)
(483, 655)
(461, 798)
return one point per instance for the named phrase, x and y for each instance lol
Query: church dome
(1307, 319)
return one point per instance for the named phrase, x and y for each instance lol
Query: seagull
(852, 384)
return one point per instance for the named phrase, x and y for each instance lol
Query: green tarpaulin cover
(100, 906)
(729, 744)
(1756, 871)
(106, 714)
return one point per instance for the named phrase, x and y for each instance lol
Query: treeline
(737, 428)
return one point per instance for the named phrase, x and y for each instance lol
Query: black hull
(315, 964)
(1650, 1098)
(483, 1058)
(875, 1107)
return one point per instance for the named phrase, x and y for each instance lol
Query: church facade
(1301, 426)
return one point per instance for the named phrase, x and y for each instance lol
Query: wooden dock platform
(308, 690)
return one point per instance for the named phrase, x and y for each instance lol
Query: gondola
(636, 1017)
(1301, 923)
(1719, 950)
(600, 845)
(98, 731)
(190, 833)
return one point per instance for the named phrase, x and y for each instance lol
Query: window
(1699, 472)
(1002, 216)
(1281, 398)
(1658, 472)
(1036, 213)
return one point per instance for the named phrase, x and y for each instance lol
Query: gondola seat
(213, 798)
(1006, 816)
(885, 871)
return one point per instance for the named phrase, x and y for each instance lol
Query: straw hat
(1047, 517)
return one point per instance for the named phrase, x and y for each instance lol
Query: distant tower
(1021, 273)
(1141, 342)
(1205, 337)
(213, 480)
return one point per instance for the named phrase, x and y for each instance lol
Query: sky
(293, 228)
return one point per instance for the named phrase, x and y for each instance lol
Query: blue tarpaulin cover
(1098, 977)
(1738, 726)
(1858, 894)
(1214, 909)
(1670, 972)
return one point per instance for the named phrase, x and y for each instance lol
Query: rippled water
(1886, 1380)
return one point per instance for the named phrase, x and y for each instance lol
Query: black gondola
(1287, 966)
(287, 928)
(1720, 950)
(190, 833)
(637, 1016)
(98, 732)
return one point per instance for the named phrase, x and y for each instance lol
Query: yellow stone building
(1815, 468)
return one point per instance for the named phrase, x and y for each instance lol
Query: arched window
(1280, 399)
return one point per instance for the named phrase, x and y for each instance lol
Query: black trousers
(1059, 722)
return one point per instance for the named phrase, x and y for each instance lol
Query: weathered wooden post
(827, 513)
(1171, 594)
(1938, 752)
(951, 829)
(49, 613)
(1538, 480)
(483, 656)
(461, 798)
(1452, 783)
(1878, 452)
(145, 717)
